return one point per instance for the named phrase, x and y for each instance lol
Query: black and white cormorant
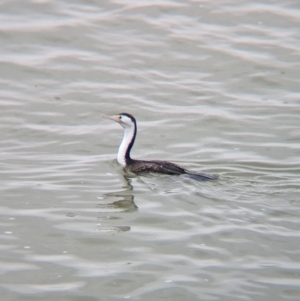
(128, 122)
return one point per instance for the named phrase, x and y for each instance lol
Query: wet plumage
(128, 122)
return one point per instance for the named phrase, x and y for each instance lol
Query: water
(214, 87)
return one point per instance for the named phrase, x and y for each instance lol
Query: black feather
(165, 167)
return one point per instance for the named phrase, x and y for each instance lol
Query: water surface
(214, 87)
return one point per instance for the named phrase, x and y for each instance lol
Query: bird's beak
(114, 117)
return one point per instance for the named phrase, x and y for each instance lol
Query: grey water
(214, 86)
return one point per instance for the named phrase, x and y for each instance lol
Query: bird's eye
(120, 117)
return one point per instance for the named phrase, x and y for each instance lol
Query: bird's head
(124, 119)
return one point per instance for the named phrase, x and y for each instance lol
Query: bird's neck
(126, 145)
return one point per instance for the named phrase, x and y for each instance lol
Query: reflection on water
(120, 201)
(214, 87)
(124, 200)
(125, 204)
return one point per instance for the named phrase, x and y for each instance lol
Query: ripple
(214, 87)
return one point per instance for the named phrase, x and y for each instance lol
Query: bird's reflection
(124, 199)
(113, 207)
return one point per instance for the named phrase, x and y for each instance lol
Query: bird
(129, 124)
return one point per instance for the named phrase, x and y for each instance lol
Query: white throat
(127, 138)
